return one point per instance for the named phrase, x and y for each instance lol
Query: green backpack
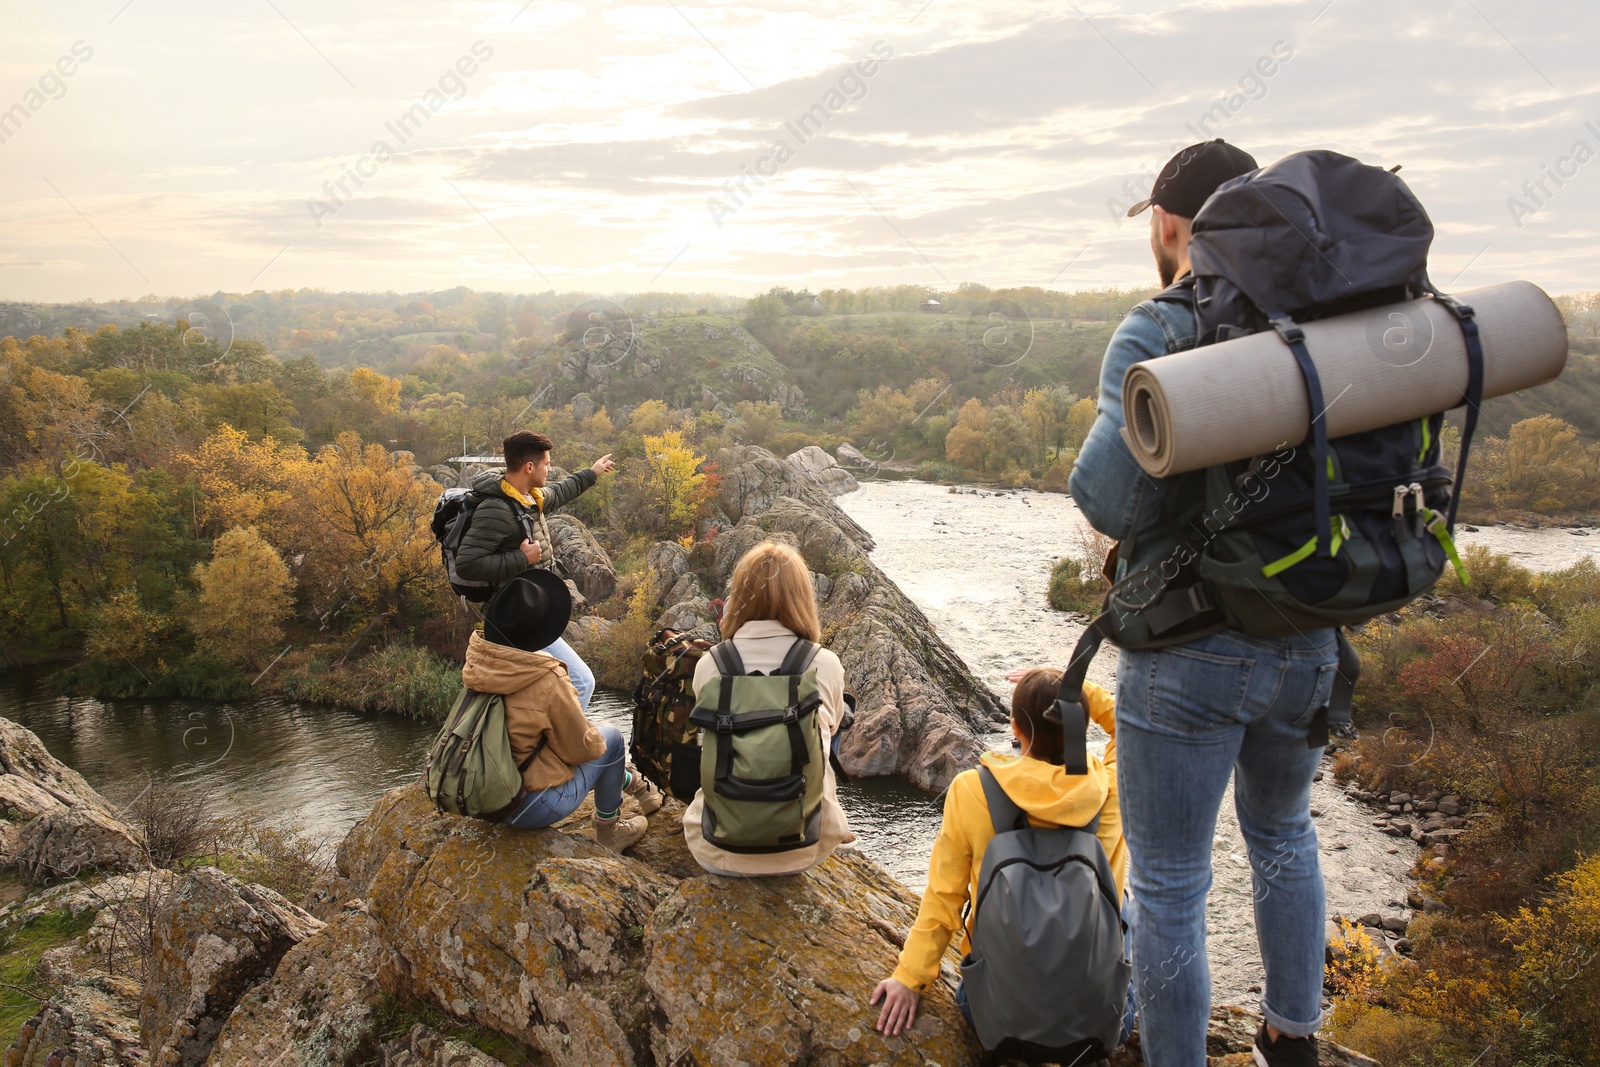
(762, 763)
(470, 769)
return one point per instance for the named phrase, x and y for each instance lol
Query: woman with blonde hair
(771, 608)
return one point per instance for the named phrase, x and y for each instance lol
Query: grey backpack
(1047, 975)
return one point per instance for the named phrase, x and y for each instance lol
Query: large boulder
(753, 479)
(318, 1005)
(585, 560)
(211, 940)
(822, 470)
(594, 958)
(92, 1022)
(55, 825)
(70, 842)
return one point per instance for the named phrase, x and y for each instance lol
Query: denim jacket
(1110, 488)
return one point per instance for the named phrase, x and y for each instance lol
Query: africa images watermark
(52, 85)
(851, 87)
(1564, 169)
(451, 85)
(1252, 87)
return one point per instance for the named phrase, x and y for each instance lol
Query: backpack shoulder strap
(727, 658)
(1068, 708)
(1179, 292)
(1003, 811)
(798, 660)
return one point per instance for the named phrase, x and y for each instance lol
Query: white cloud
(594, 138)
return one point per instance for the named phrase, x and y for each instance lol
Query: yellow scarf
(535, 501)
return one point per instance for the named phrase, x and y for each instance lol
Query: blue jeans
(1188, 718)
(605, 776)
(582, 677)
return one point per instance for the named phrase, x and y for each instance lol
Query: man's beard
(1166, 266)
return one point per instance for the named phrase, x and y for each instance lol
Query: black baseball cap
(1191, 176)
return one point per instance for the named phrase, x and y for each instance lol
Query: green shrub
(1071, 591)
(402, 679)
(932, 470)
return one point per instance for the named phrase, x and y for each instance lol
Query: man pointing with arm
(509, 534)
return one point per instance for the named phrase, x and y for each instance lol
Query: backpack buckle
(1288, 329)
(791, 715)
(724, 724)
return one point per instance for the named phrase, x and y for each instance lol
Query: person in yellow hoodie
(1038, 783)
(562, 754)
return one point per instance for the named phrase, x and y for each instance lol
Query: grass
(21, 992)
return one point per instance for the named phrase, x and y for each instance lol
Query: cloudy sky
(181, 148)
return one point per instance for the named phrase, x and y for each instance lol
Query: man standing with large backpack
(507, 532)
(1193, 714)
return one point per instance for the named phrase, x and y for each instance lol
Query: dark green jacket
(489, 552)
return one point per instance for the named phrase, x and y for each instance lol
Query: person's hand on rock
(899, 1006)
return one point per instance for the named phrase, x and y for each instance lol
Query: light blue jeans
(582, 677)
(606, 776)
(1188, 718)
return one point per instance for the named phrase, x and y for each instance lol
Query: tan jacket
(762, 645)
(540, 704)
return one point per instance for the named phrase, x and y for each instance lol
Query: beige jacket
(762, 645)
(540, 704)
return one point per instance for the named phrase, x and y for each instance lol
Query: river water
(976, 565)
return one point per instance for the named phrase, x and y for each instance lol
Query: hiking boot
(617, 833)
(644, 791)
(1286, 1051)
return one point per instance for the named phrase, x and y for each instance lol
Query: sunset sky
(589, 147)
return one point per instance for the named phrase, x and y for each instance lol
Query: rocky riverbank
(447, 940)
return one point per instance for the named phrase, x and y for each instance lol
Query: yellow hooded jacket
(1050, 798)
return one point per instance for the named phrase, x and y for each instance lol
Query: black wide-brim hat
(529, 612)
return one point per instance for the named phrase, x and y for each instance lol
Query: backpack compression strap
(1467, 320)
(1068, 708)
(1295, 338)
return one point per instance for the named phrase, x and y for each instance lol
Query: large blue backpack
(1353, 527)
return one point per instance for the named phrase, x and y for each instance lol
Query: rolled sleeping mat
(1245, 397)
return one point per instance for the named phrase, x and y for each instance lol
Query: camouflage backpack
(665, 745)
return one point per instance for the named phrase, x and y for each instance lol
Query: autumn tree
(244, 596)
(249, 483)
(760, 419)
(371, 554)
(1080, 418)
(966, 444)
(672, 478)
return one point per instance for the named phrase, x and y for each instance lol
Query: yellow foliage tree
(244, 598)
(650, 418)
(372, 553)
(967, 441)
(379, 390)
(1080, 419)
(674, 476)
(249, 483)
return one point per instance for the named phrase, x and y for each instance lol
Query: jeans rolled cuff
(1289, 1027)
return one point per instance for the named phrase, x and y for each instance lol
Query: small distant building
(931, 304)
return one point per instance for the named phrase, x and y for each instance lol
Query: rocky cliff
(447, 941)
(920, 712)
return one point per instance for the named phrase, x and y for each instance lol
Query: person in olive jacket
(508, 533)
